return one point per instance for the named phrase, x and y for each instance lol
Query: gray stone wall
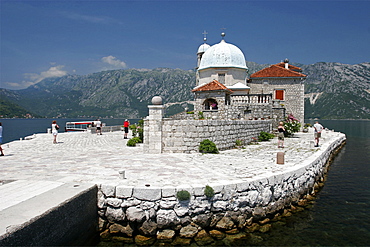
(257, 106)
(184, 136)
(294, 93)
(156, 213)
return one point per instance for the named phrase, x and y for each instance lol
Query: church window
(221, 78)
(280, 94)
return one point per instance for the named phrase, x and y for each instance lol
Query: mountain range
(332, 91)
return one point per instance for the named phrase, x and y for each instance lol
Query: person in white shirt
(98, 127)
(54, 131)
(318, 129)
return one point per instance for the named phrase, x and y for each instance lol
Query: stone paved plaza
(91, 158)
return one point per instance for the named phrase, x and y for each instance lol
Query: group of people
(318, 128)
(55, 127)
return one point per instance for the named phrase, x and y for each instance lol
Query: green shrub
(207, 146)
(183, 195)
(200, 115)
(264, 136)
(239, 143)
(138, 129)
(132, 142)
(209, 192)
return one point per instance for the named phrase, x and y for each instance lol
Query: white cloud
(114, 62)
(55, 71)
(33, 78)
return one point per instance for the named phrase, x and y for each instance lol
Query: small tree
(209, 191)
(183, 195)
(207, 146)
(138, 130)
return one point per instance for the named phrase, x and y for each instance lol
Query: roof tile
(278, 70)
(211, 86)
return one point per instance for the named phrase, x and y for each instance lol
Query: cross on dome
(205, 35)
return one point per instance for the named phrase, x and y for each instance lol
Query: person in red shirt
(125, 125)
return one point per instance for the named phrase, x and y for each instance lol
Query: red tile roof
(212, 86)
(278, 70)
(291, 67)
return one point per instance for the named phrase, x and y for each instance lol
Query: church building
(224, 91)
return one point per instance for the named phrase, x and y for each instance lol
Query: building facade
(223, 90)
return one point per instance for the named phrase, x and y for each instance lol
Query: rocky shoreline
(236, 213)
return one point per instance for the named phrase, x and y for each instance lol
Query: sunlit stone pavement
(90, 158)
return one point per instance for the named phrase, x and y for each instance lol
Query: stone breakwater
(144, 215)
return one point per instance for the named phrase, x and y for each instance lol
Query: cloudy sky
(41, 39)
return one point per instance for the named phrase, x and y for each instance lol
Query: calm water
(341, 214)
(14, 129)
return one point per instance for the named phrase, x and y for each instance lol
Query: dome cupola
(222, 55)
(203, 47)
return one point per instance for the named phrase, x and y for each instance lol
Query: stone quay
(134, 193)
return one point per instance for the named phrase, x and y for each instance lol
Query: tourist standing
(281, 132)
(126, 124)
(98, 127)
(54, 131)
(318, 129)
(1, 139)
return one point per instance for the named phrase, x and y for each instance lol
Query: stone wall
(184, 136)
(294, 93)
(145, 215)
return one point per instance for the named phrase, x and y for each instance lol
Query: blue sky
(40, 39)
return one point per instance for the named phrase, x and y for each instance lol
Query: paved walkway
(91, 158)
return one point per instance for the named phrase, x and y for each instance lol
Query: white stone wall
(232, 75)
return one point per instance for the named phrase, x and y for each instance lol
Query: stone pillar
(153, 127)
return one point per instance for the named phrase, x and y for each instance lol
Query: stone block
(147, 194)
(198, 190)
(135, 214)
(124, 191)
(168, 192)
(244, 186)
(280, 158)
(114, 202)
(108, 190)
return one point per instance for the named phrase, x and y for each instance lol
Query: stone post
(153, 127)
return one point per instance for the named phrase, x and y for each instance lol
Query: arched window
(210, 105)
